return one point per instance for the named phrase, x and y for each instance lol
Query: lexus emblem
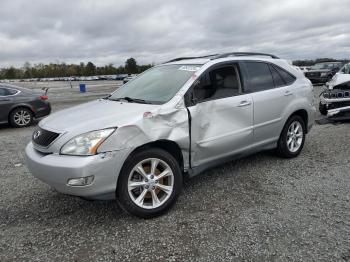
(36, 134)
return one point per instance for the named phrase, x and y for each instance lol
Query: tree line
(90, 69)
(67, 70)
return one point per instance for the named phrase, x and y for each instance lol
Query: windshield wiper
(130, 100)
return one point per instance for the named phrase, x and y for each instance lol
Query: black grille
(336, 94)
(44, 137)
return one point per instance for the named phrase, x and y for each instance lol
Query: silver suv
(173, 121)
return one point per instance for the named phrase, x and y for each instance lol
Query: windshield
(157, 85)
(346, 69)
(322, 66)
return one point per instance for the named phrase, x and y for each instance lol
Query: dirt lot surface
(260, 208)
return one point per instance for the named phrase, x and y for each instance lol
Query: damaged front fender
(168, 122)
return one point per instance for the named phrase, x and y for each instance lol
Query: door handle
(5, 100)
(244, 103)
(288, 93)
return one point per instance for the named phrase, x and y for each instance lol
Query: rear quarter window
(286, 76)
(7, 91)
(11, 91)
(277, 78)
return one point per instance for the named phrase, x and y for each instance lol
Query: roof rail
(187, 58)
(244, 54)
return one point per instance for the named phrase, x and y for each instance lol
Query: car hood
(95, 115)
(338, 79)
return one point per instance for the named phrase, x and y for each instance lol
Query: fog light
(81, 181)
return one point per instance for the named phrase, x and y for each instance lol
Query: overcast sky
(110, 31)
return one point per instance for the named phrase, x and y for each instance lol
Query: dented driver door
(221, 125)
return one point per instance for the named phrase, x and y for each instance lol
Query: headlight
(86, 144)
(324, 74)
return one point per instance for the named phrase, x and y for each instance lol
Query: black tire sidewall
(122, 193)
(282, 142)
(322, 108)
(14, 111)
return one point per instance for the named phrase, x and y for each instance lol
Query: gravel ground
(260, 208)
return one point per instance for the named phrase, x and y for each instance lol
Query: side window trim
(189, 101)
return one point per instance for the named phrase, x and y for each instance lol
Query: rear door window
(259, 77)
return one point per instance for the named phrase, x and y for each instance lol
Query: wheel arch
(167, 145)
(303, 114)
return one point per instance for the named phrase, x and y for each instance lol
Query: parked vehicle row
(119, 77)
(129, 78)
(173, 121)
(304, 69)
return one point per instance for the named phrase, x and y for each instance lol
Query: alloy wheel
(295, 136)
(22, 117)
(150, 183)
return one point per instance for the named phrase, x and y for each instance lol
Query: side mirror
(190, 99)
(193, 99)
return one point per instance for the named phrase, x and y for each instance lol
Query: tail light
(45, 97)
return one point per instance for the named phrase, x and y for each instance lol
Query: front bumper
(342, 111)
(337, 103)
(55, 170)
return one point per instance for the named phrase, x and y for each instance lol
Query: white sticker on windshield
(189, 68)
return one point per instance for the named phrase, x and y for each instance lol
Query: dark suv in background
(19, 106)
(323, 72)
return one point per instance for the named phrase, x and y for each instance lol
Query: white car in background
(335, 100)
(340, 78)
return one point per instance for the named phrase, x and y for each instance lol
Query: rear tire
(149, 183)
(292, 138)
(21, 117)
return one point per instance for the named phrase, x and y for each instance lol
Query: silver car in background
(175, 120)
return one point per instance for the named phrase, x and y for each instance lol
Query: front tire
(149, 183)
(21, 117)
(292, 138)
